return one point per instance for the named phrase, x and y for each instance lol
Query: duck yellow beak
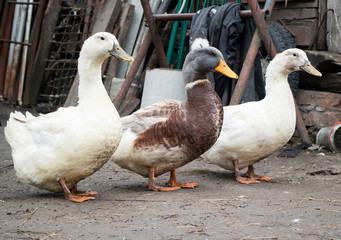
(310, 69)
(118, 52)
(226, 70)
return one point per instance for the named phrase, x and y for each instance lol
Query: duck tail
(16, 133)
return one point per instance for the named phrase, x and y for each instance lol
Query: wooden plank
(330, 82)
(107, 17)
(304, 30)
(330, 66)
(280, 4)
(32, 51)
(47, 30)
(131, 36)
(105, 20)
(123, 24)
(321, 43)
(5, 46)
(294, 14)
(334, 26)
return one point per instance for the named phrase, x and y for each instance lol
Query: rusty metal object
(5, 48)
(23, 3)
(137, 61)
(286, 27)
(300, 126)
(261, 26)
(246, 69)
(270, 47)
(153, 32)
(189, 16)
(47, 28)
(16, 42)
(252, 52)
(33, 50)
(132, 72)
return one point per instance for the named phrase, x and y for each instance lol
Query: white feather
(73, 142)
(199, 43)
(255, 130)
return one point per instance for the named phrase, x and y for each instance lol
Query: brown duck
(170, 133)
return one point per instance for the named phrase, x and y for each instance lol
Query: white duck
(57, 150)
(253, 131)
(170, 134)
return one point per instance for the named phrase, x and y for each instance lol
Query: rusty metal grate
(61, 66)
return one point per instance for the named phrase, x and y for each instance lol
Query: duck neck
(277, 90)
(202, 97)
(91, 90)
(205, 113)
(192, 72)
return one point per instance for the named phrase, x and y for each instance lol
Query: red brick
(321, 99)
(319, 109)
(322, 119)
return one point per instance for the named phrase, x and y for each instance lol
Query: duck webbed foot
(251, 173)
(172, 182)
(152, 184)
(74, 195)
(239, 178)
(74, 191)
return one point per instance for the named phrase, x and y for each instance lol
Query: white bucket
(161, 84)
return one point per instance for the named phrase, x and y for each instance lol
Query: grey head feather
(200, 61)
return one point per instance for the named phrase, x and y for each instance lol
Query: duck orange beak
(118, 52)
(310, 69)
(226, 70)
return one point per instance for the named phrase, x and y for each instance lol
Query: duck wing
(44, 130)
(144, 118)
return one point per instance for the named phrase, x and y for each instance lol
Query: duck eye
(211, 53)
(294, 54)
(102, 38)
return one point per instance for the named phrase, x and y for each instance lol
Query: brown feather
(193, 126)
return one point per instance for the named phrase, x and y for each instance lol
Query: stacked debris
(40, 44)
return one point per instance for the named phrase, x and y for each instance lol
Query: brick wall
(319, 109)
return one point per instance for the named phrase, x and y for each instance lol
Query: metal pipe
(24, 54)
(155, 36)
(22, 13)
(16, 42)
(131, 73)
(130, 77)
(5, 48)
(286, 27)
(246, 69)
(189, 16)
(261, 26)
(263, 35)
(12, 49)
(252, 52)
(23, 3)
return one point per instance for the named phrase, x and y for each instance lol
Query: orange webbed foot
(172, 182)
(152, 184)
(78, 199)
(162, 189)
(182, 185)
(245, 180)
(251, 173)
(263, 178)
(75, 192)
(74, 195)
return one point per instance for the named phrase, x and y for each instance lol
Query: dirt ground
(302, 202)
